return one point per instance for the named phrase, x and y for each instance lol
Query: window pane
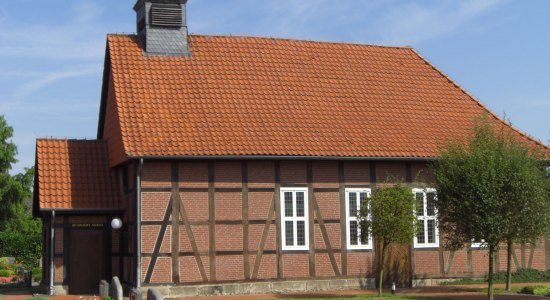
(419, 204)
(288, 204)
(353, 235)
(300, 204)
(289, 233)
(301, 227)
(430, 206)
(420, 239)
(362, 199)
(431, 231)
(352, 204)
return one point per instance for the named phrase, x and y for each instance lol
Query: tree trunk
(490, 292)
(509, 266)
(381, 273)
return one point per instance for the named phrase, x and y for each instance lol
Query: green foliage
(22, 239)
(13, 189)
(106, 298)
(392, 215)
(521, 275)
(538, 290)
(6, 273)
(37, 274)
(20, 234)
(524, 275)
(388, 216)
(490, 189)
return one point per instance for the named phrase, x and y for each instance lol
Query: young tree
(22, 238)
(20, 234)
(388, 216)
(488, 188)
(12, 188)
(526, 194)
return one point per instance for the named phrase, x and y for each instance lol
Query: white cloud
(51, 78)
(82, 37)
(415, 22)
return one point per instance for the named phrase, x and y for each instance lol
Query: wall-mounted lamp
(116, 223)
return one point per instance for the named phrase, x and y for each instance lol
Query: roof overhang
(282, 157)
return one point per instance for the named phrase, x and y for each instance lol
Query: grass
(521, 276)
(360, 297)
(13, 287)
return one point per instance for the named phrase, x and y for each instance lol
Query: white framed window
(427, 235)
(294, 219)
(355, 197)
(477, 244)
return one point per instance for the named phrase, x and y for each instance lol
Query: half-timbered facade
(237, 164)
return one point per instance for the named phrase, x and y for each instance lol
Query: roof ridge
(288, 39)
(301, 40)
(68, 139)
(478, 102)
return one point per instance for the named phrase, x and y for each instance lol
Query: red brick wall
(193, 180)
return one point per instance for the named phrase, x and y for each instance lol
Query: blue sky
(51, 52)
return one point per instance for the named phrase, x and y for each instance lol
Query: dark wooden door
(86, 260)
(397, 267)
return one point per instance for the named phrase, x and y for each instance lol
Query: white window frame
(294, 218)
(349, 218)
(425, 219)
(475, 245)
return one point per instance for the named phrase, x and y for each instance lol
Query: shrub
(37, 274)
(5, 279)
(6, 273)
(538, 290)
(524, 275)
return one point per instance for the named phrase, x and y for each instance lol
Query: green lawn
(363, 297)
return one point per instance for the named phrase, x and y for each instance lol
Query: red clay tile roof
(265, 96)
(75, 174)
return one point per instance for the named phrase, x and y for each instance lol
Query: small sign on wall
(88, 225)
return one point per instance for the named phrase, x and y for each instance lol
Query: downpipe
(138, 224)
(52, 239)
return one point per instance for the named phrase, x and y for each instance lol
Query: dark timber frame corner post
(342, 194)
(311, 218)
(277, 197)
(212, 219)
(244, 177)
(175, 202)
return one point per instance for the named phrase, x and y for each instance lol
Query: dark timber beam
(311, 218)
(212, 219)
(277, 197)
(175, 199)
(244, 177)
(265, 234)
(158, 244)
(192, 241)
(343, 233)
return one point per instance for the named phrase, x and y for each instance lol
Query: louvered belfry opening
(161, 27)
(166, 15)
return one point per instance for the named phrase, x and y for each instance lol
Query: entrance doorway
(87, 260)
